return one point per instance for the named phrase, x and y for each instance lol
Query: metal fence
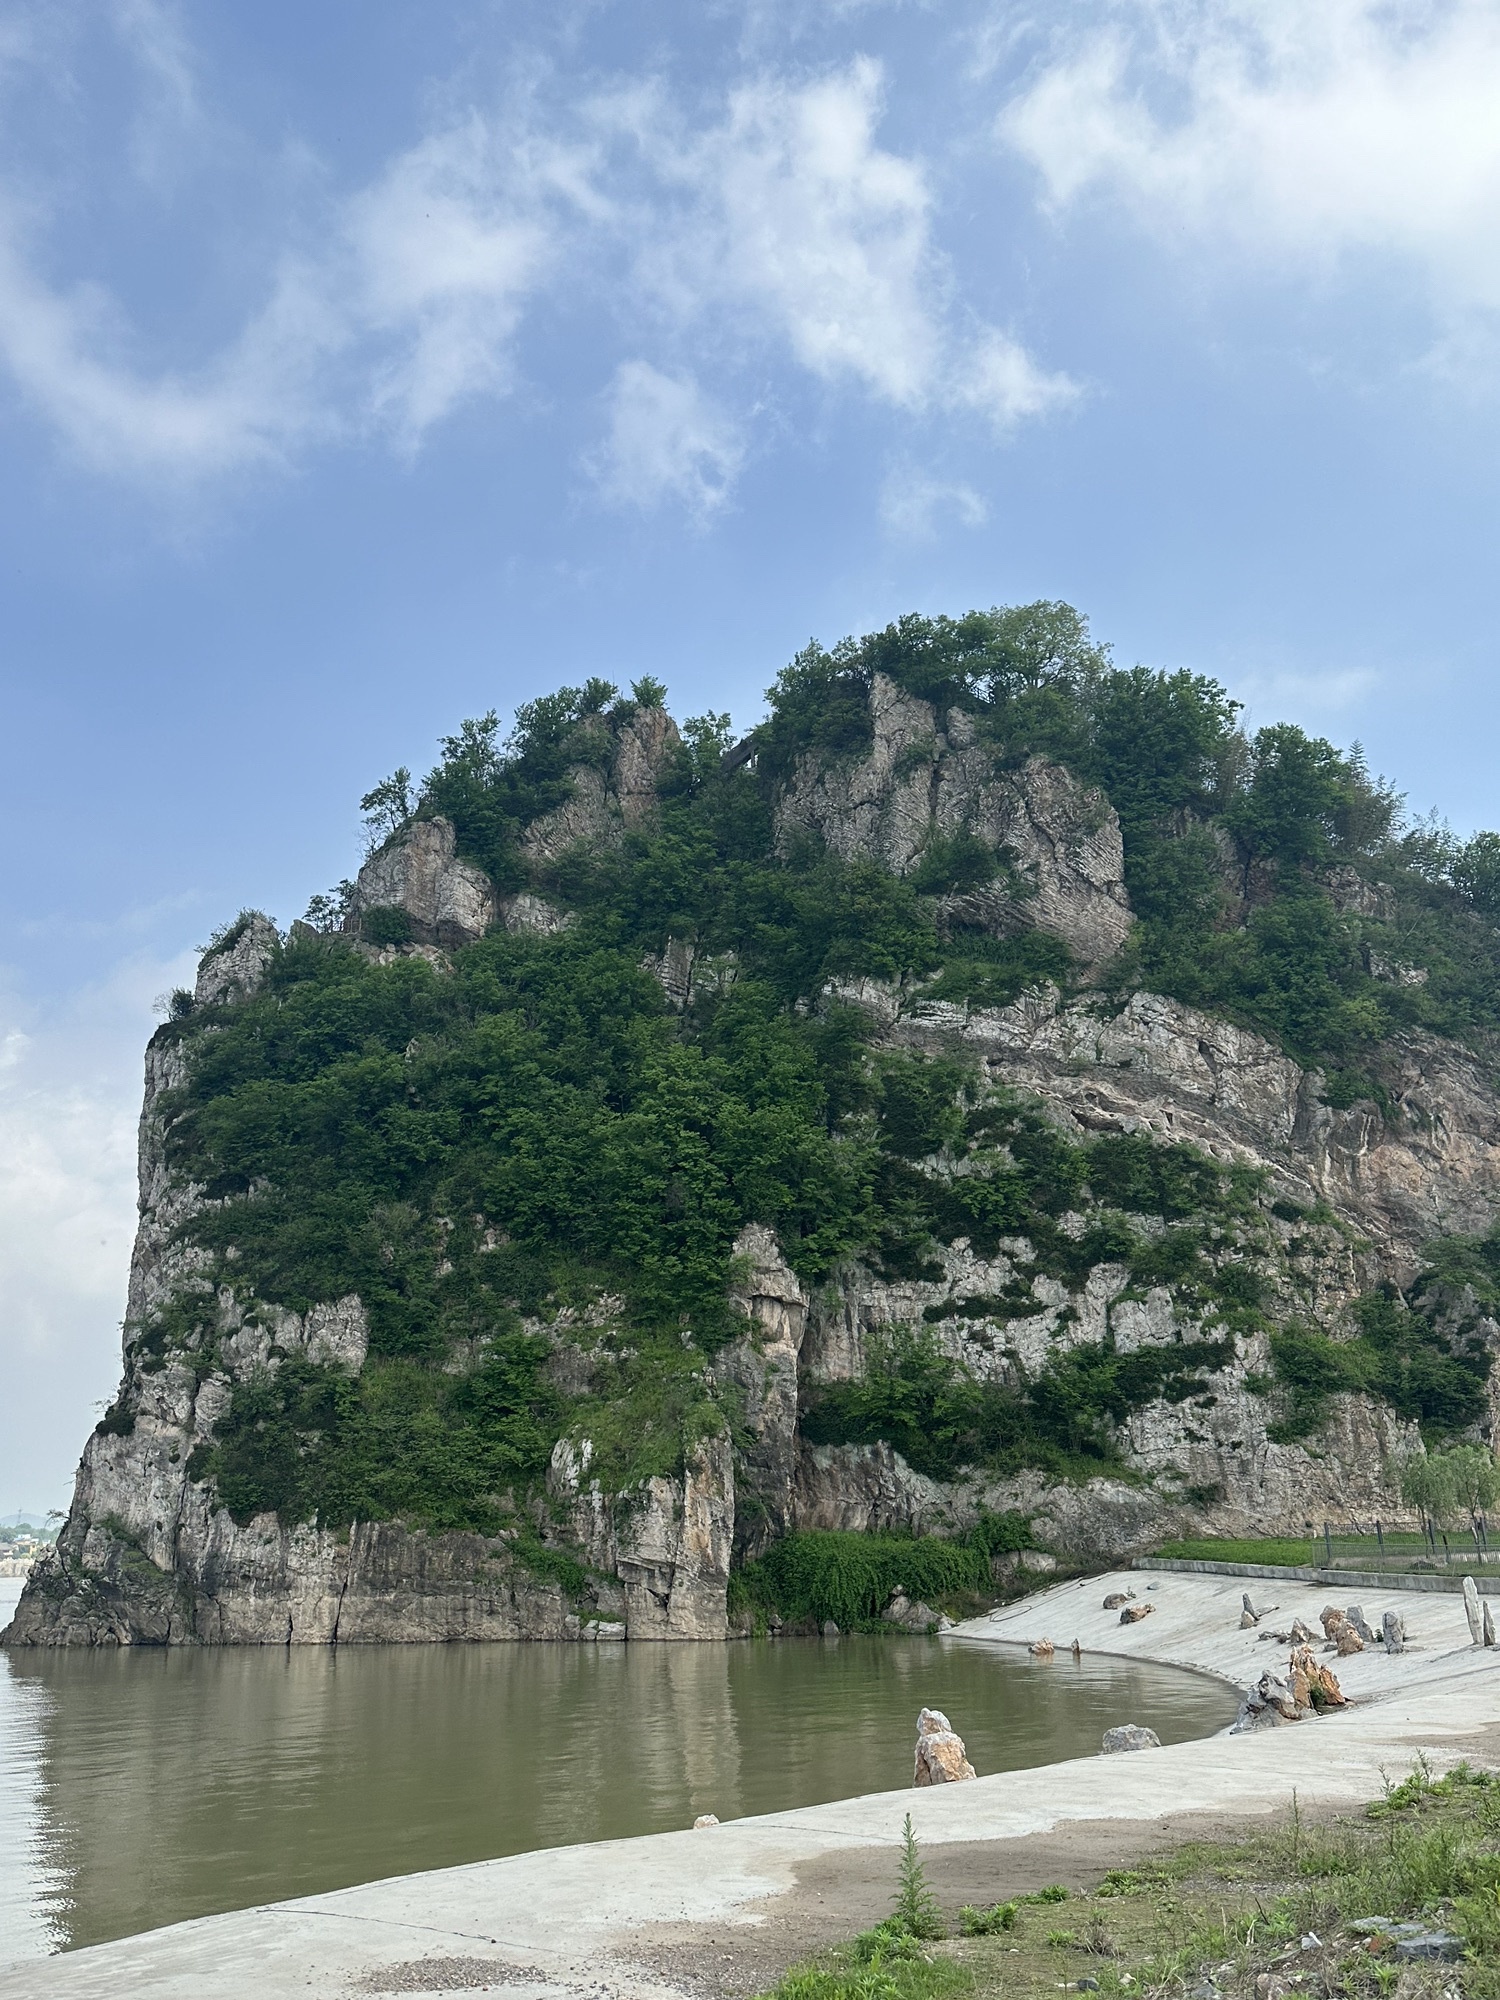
(1376, 1548)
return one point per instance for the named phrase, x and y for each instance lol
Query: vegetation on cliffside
(530, 1128)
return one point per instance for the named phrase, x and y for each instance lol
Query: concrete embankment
(723, 1909)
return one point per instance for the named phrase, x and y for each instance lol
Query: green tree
(1476, 871)
(1474, 1480)
(1427, 1484)
(387, 806)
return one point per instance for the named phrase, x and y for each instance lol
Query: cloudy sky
(369, 365)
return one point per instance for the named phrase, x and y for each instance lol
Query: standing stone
(1394, 1633)
(1472, 1612)
(1489, 1624)
(1356, 1617)
(941, 1759)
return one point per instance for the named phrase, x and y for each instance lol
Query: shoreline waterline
(153, 1786)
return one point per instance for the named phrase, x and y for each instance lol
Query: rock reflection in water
(165, 1785)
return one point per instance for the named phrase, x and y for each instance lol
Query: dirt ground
(840, 1894)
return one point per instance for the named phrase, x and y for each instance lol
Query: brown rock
(1314, 1685)
(941, 1759)
(1043, 1649)
(1134, 1613)
(1348, 1641)
(1115, 1599)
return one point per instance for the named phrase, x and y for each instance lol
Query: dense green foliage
(402, 1440)
(1399, 1353)
(532, 1128)
(940, 1417)
(823, 1574)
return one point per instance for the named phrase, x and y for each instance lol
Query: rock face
(927, 778)
(613, 795)
(449, 902)
(148, 1555)
(941, 1758)
(231, 971)
(668, 1543)
(763, 1364)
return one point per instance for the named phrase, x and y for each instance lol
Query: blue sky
(366, 366)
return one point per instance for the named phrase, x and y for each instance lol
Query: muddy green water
(138, 1788)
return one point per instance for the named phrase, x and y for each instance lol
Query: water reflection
(144, 1787)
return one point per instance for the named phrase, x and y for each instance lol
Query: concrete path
(577, 1920)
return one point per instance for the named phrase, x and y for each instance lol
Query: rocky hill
(994, 1100)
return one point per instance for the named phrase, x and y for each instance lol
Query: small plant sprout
(916, 1906)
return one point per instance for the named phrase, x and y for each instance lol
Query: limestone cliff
(1349, 1198)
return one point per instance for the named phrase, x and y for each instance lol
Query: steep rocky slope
(1041, 1272)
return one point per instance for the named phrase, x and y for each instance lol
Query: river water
(141, 1787)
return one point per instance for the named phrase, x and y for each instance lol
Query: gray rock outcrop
(232, 970)
(449, 902)
(612, 796)
(763, 1365)
(1063, 861)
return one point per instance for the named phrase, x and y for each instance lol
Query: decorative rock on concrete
(1472, 1611)
(941, 1759)
(1129, 1736)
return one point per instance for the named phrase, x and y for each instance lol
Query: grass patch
(1428, 1852)
(1229, 1549)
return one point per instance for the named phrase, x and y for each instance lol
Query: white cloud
(1301, 134)
(998, 378)
(792, 213)
(911, 504)
(67, 354)
(666, 441)
(70, 1089)
(774, 223)
(827, 233)
(448, 251)
(406, 308)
